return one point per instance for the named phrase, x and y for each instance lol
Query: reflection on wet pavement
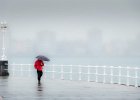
(40, 88)
(21, 88)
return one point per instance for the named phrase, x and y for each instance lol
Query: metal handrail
(103, 71)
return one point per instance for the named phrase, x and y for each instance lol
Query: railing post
(127, 76)
(96, 73)
(53, 71)
(13, 69)
(29, 70)
(119, 75)
(104, 80)
(21, 73)
(80, 71)
(1, 69)
(62, 72)
(88, 73)
(111, 68)
(136, 77)
(70, 72)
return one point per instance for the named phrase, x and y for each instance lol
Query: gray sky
(90, 27)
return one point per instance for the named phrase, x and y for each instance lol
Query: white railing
(129, 76)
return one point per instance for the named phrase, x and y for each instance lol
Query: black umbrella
(44, 58)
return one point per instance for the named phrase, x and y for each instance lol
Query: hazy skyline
(88, 27)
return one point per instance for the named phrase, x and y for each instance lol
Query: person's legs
(39, 73)
(38, 76)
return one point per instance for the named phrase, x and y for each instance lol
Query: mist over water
(97, 32)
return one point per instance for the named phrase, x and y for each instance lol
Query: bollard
(4, 68)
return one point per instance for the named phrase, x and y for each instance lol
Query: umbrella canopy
(44, 58)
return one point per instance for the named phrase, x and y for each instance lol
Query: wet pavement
(21, 88)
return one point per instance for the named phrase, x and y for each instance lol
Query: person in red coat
(38, 66)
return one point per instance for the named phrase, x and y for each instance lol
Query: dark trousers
(39, 73)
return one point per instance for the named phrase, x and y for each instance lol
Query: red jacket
(38, 65)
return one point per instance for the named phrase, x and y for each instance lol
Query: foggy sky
(73, 27)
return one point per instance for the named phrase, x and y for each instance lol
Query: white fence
(129, 76)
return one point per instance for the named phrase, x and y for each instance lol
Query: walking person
(38, 66)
